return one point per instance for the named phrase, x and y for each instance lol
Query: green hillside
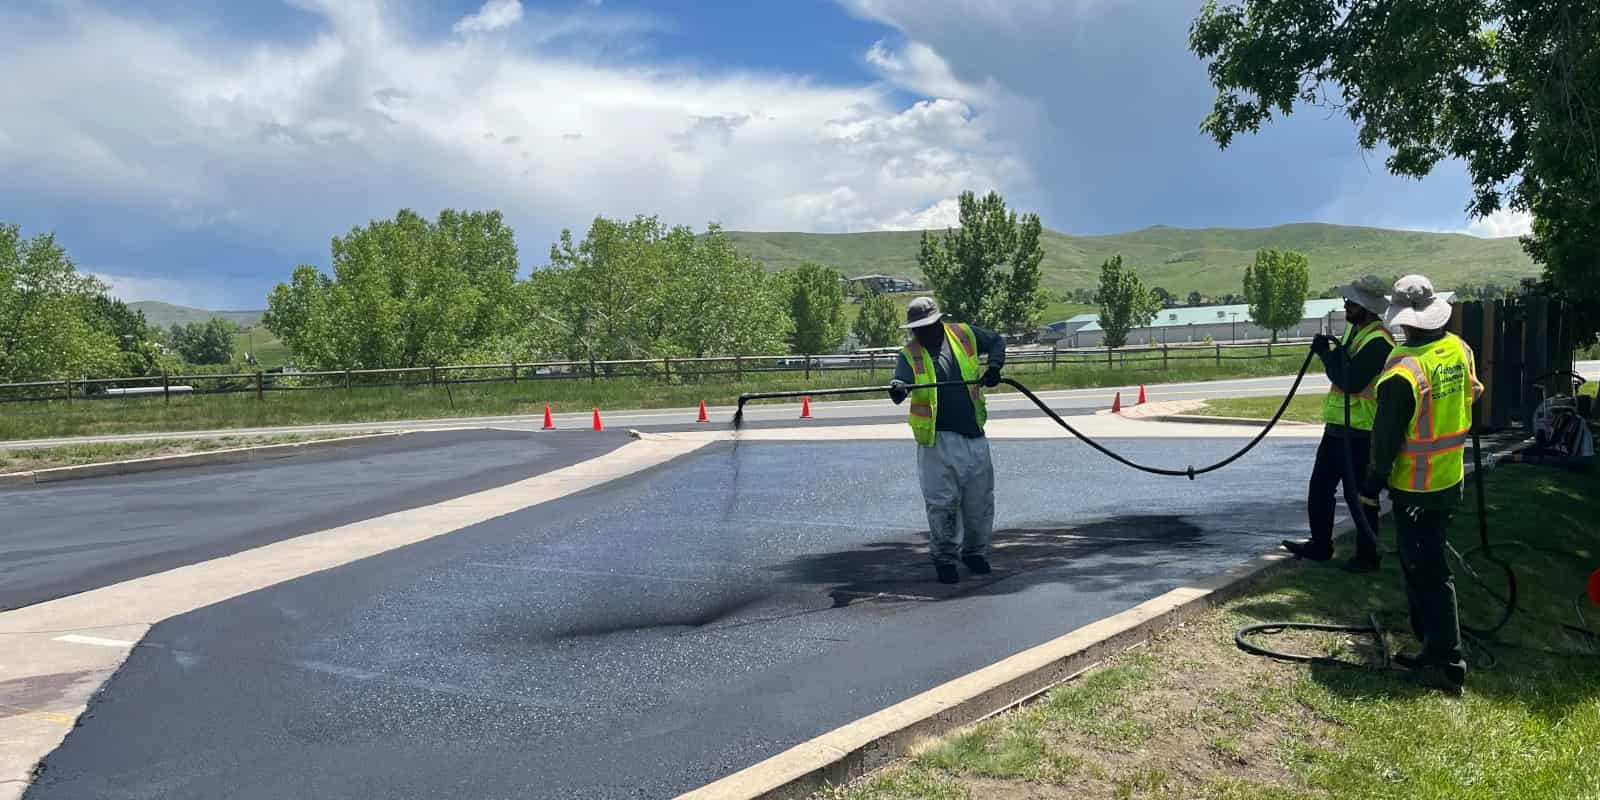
(164, 315)
(1211, 260)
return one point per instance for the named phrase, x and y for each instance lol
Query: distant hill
(164, 315)
(1210, 260)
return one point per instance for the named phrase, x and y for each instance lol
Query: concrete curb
(1246, 421)
(237, 455)
(860, 747)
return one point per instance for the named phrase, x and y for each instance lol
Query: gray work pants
(957, 487)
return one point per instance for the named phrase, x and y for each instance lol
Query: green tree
(1164, 296)
(49, 325)
(816, 304)
(1275, 288)
(879, 322)
(209, 342)
(1124, 302)
(405, 292)
(965, 265)
(720, 301)
(1511, 88)
(639, 289)
(1194, 298)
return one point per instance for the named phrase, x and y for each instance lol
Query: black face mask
(930, 337)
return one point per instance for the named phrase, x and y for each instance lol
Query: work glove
(1371, 490)
(1323, 344)
(992, 377)
(898, 391)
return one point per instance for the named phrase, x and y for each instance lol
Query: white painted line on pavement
(94, 640)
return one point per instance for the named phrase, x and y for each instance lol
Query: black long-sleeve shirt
(1396, 404)
(956, 413)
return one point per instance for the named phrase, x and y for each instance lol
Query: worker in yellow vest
(953, 461)
(1419, 438)
(1366, 345)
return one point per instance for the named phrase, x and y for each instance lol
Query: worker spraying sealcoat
(1352, 365)
(947, 421)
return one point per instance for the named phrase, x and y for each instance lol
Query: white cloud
(941, 215)
(287, 144)
(493, 16)
(1502, 223)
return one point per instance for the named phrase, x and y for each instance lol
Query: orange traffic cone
(597, 425)
(549, 421)
(703, 417)
(1141, 394)
(805, 408)
(1116, 404)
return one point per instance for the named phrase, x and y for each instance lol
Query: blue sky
(197, 156)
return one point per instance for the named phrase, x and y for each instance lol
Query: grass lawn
(30, 459)
(1303, 408)
(45, 419)
(269, 351)
(1192, 716)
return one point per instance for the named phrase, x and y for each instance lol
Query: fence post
(1163, 356)
(260, 387)
(1269, 348)
(1219, 354)
(514, 372)
(1109, 353)
(738, 367)
(872, 365)
(347, 383)
(166, 388)
(433, 374)
(666, 368)
(808, 367)
(1053, 351)
(594, 374)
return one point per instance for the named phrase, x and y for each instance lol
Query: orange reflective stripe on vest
(1444, 384)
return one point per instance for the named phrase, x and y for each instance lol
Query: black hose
(1240, 638)
(1189, 472)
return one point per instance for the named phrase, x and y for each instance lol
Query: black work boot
(1310, 549)
(978, 564)
(947, 573)
(1444, 673)
(1359, 563)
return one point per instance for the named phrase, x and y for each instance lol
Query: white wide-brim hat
(1414, 303)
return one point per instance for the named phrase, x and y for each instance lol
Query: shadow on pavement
(900, 569)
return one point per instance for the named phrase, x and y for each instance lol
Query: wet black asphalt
(65, 538)
(655, 634)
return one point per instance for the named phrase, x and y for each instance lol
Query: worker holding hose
(1352, 366)
(1419, 436)
(953, 461)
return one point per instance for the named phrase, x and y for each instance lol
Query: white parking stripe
(94, 640)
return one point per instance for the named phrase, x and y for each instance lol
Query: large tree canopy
(1509, 87)
(405, 292)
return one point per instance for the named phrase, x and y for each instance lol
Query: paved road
(842, 412)
(66, 538)
(653, 635)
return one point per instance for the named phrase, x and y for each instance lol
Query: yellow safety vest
(1363, 404)
(925, 402)
(1444, 384)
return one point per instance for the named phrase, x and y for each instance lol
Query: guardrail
(668, 369)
